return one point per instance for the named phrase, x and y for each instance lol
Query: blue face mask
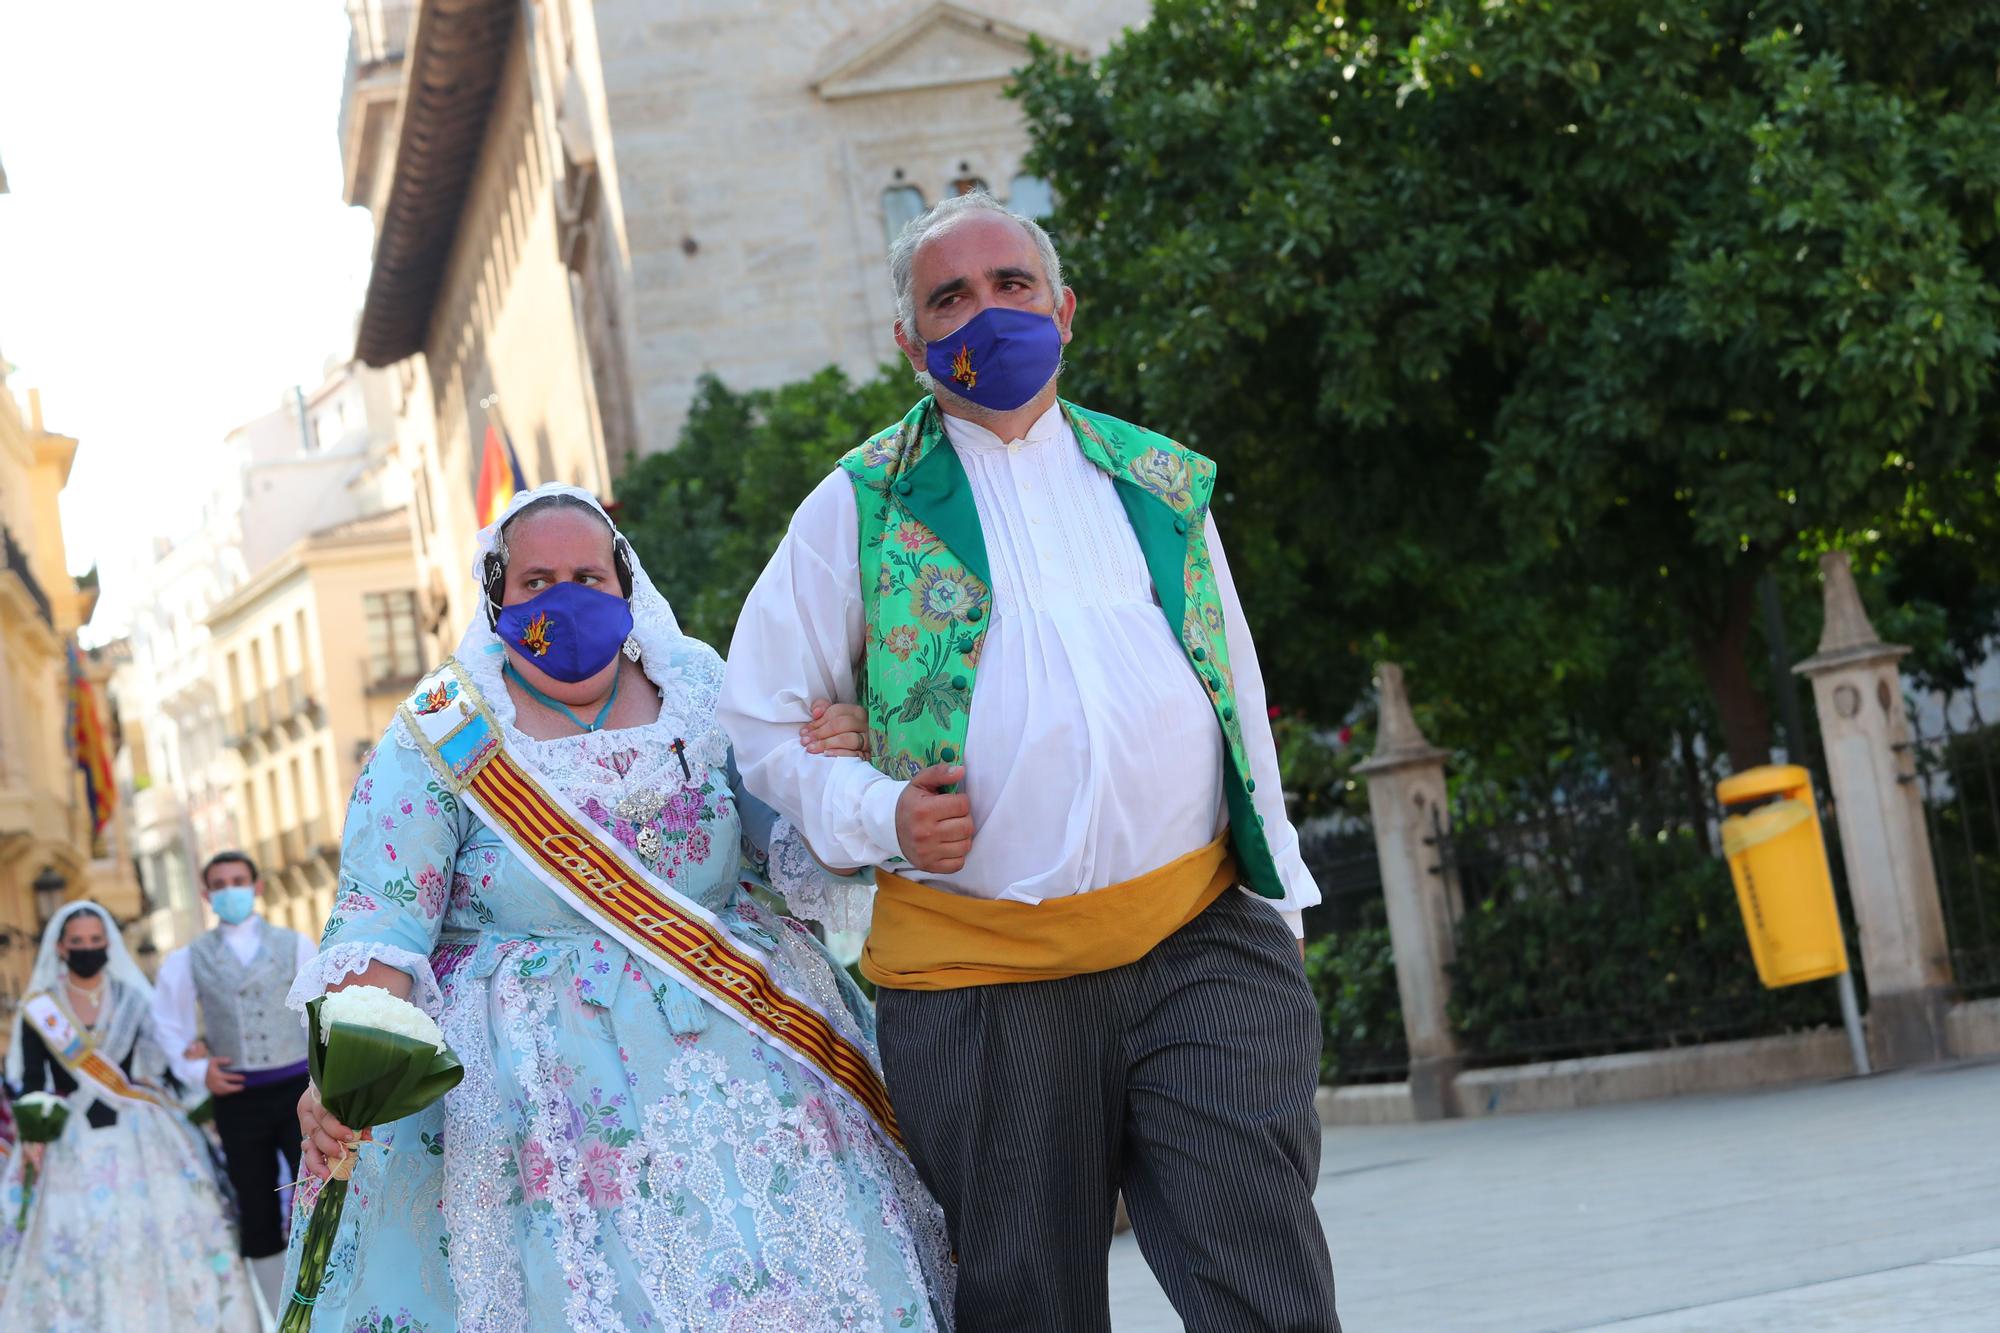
(1000, 359)
(233, 905)
(569, 632)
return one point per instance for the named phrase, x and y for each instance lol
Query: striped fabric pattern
(1185, 1080)
(567, 850)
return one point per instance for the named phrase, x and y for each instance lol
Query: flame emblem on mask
(536, 637)
(961, 367)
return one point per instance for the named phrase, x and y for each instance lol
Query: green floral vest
(925, 584)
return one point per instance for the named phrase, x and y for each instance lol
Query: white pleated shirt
(1092, 753)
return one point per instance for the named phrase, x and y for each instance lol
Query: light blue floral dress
(620, 1155)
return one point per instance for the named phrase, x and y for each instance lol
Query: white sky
(174, 253)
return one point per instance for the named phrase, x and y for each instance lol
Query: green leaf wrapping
(368, 1077)
(38, 1123)
(365, 1077)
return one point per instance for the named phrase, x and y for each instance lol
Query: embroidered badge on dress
(437, 698)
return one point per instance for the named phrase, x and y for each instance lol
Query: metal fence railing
(1352, 966)
(1955, 761)
(1602, 918)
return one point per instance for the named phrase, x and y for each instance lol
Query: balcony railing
(13, 558)
(389, 677)
(378, 35)
(378, 29)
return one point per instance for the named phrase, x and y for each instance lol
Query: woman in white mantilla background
(624, 1152)
(127, 1227)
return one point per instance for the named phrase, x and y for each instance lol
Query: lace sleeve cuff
(838, 902)
(338, 962)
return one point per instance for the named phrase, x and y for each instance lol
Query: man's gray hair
(903, 254)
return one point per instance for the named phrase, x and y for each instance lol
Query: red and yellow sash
(72, 1046)
(669, 932)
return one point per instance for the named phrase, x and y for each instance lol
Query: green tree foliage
(1529, 334)
(706, 515)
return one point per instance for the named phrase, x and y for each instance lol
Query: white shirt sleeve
(800, 637)
(1301, 891)
(175, 1023)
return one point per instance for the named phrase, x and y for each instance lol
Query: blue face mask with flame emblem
(569, 632)
(1000, 359)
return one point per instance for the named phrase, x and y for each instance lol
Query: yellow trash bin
(1777, 856)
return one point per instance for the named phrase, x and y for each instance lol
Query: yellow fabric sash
(928, 939)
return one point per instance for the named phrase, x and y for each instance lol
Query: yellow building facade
(49, 850)
(312, 656)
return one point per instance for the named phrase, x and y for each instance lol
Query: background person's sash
(73, 1049)
(666, 930)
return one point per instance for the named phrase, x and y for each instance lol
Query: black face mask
(88, 962)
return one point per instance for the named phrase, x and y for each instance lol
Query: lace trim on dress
(811, 891)
(335, 963)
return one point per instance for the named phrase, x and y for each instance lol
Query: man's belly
(1093, 755)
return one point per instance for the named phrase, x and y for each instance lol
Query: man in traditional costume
(237, 976)
(1071, 774)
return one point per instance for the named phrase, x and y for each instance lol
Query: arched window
(901, 205)
(1031, 196)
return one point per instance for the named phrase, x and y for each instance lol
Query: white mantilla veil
(687, 671)
(652, 618)
(50, 971)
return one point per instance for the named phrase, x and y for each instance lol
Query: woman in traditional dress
(638, 1142)
(127, 1226)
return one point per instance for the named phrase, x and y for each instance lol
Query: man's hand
(934, 829)
(218, 1078)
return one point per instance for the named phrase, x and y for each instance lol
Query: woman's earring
(632, 647)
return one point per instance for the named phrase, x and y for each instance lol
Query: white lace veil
(49, 971)
(688, 673)
(654, 630)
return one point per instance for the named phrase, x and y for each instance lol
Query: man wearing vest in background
(255, 1066)
(1071, 774)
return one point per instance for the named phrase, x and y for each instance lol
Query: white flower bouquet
(40, 1117)
(378, 1058)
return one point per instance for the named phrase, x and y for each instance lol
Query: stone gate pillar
(1883, 838)
(1406, 799)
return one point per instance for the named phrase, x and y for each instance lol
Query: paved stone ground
(1860, 1204)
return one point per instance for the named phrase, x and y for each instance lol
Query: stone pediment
(941, 45)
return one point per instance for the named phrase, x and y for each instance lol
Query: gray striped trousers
(1185, 1079)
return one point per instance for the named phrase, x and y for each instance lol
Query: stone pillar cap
(1399, 741)
(1849, 637)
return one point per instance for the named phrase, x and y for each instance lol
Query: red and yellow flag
(499, 475)
(89, 744)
